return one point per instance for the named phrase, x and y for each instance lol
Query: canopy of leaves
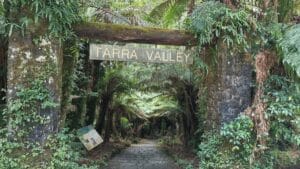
(58, 15)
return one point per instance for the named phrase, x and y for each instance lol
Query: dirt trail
(145, 155)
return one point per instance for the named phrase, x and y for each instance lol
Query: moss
(74, 117)
(69, 62)
(126, 33)
(120, 27)
(24, 67)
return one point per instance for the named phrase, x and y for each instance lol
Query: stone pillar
(229, 88)
(28, 57)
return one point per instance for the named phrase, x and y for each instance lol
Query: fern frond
(290, 47)
(169, 11)
(158, 12)
(175, 12)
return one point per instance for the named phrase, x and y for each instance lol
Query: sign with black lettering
(150, 55)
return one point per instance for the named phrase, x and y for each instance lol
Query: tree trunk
(193, 106)
(117, 123)
(103, 110)
(27, 61)
(97, 72)
(185, 129)
(69, 62)
(108, 126)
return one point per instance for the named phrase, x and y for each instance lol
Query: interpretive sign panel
(151, 55)
(89, 137)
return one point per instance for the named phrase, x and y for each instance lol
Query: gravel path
(145, 155)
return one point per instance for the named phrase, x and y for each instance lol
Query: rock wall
(30, 57)
(229, 88)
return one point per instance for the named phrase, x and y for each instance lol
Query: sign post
(149, 55)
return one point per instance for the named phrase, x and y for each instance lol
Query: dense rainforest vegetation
(236, 106)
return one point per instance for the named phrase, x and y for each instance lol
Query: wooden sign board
(89, 137)
(150, 55)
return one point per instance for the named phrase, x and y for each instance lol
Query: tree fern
(174, 12)
(169, 11)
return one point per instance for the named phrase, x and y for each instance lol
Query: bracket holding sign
(150, 55)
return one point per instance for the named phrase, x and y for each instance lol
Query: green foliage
(235, 145)
(184, 163)
(240, 136)
(63, 154)
(283, 98)
(290, 49)
(24, 110)
(285, 159)
(58, 15)
(211, 154)
(285, 9)
(168, 12)
(80, 75)
(114, 82)
(155, 104)
(231, 148)
(125, 124)
(23, 116)
(59, 152)
(213, 20)
(175, 12)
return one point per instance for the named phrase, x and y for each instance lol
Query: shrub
(231, 148)
(283, 111)
(58, 153)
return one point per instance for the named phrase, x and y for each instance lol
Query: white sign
(89, 137)
(150, 55)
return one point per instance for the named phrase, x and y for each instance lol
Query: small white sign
(89, 137)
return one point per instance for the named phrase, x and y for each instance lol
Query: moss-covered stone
(126, 33)
(30, 58)
(229, 86)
